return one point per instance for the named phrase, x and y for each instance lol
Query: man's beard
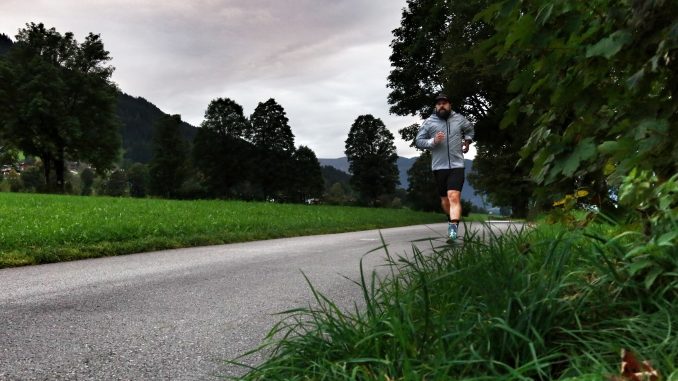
(443, 113)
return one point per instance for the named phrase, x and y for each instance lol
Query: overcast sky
(324, 61)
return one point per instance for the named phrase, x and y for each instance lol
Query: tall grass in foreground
(544, 304)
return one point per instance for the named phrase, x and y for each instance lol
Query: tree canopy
(270, 128)
(225, 117)
(433, 51)
(372, 156)
(308, 178)
(169, 166)
(596, 83)
(57, 100)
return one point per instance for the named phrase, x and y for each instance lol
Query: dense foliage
(586, 90)
(565, 95)
(545, 304)
(57, 101)
(137, 117)
(432, 51)
(372, 156)
(596, 81)
(169, 167)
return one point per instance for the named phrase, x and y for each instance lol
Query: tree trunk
(46, 166)
(59, 166)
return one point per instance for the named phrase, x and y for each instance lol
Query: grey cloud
(325, 61)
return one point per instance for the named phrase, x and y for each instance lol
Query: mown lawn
(37, 228)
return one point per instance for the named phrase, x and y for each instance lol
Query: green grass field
(38, 228)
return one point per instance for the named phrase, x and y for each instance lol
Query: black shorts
(449, 179)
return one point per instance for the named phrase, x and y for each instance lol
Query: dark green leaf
(609, 46)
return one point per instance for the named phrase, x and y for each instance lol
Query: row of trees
(57, 103)
(235, 157)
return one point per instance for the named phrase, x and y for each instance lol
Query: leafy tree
(138, 178)
(87, 181)
(5, 44)
(422, 192)
(430, 54)
(8, 155)
(336, 194)
(466, 208)
(117, 183)
(599, 87)
(272, 136)
(57, 101)
(496, 175)
(433, 51)
(416, 55)
(224, 159)
(32, 179)
(269, 128)
(225, 117)
(372, 157)
(309, 181)
(169, 166)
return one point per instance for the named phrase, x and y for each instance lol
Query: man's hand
(464, 146)
(440, 136)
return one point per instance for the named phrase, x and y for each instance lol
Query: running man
(448, 135)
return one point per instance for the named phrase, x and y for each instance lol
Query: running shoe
(452, 231)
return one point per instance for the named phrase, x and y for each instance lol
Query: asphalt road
(175, 314)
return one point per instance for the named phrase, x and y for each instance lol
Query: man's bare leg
(445, 204)
(454, 202)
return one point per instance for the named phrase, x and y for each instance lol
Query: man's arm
(424, 140)
(468, 131)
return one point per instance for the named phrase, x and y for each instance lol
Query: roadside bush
(139, 178)
(117, 184)
(87, 177)
(553, 303)
(466, 208)
(5, 186)
(14, 181)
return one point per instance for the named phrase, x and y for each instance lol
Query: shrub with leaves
(597, 81)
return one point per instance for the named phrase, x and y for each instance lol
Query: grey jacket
(448, 153)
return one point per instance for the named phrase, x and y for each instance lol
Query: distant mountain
(332, 175)
(339, 163)
(404, 164)
(137, 116)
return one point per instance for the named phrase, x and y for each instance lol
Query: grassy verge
(551, 303)
(50, 228)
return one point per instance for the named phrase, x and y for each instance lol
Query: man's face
(443, 105)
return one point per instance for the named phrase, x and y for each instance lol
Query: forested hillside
(137, 116)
